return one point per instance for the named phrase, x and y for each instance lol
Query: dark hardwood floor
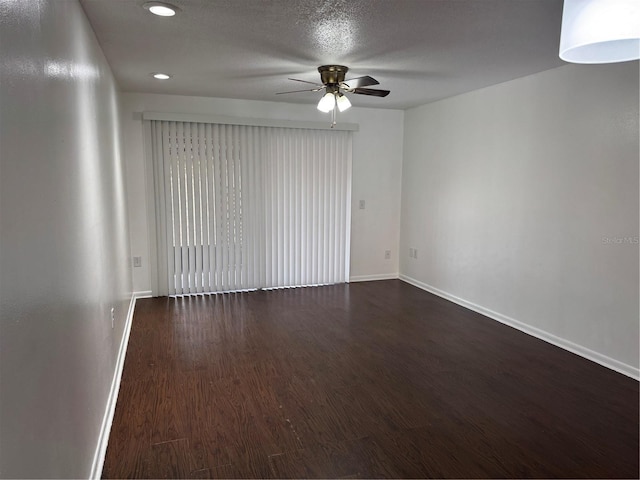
(376, 379)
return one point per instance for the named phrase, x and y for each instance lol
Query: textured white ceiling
(421, 50)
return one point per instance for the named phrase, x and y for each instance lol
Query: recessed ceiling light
(161, 9)
(161, 76)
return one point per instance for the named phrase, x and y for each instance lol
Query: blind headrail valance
(255, 122)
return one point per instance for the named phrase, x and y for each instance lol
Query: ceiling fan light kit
(600, 31)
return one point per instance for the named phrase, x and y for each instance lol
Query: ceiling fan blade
(304, 81)
(297, 91)
(360, 82)
(371, 91)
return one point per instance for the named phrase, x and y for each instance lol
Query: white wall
(510, 193)
(64, 249)
(377, 164)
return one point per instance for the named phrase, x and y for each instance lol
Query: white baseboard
(143, 294)
(369, 278)
(584, 352)
(107, 420)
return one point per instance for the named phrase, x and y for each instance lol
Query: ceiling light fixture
(161, 76)
(161, 9)
(600, 31)
(334, 83)
(331, 100)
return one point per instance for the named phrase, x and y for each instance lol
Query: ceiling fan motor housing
(332, 74)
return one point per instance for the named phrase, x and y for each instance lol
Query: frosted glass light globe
(600, 31)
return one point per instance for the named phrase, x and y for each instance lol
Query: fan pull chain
(333, 117)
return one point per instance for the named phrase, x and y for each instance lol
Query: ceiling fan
(335, 85)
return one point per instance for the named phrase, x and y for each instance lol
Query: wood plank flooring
(367, 380)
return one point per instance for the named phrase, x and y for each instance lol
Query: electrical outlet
(387, 254)
(137, 261)
(113, 317)
(361, 204)
(415, 253)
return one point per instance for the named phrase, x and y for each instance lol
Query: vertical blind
(241, 207)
